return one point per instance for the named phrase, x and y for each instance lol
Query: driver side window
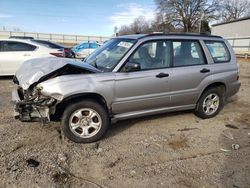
(152, 55)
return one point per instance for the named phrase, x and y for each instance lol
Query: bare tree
(125, 30)
(160, 24)
(140, 25)
(233, 9)
(187, 14)
(204, 28)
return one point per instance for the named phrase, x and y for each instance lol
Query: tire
(204, 104)
(84, 122)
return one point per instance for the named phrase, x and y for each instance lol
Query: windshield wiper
(95, 64)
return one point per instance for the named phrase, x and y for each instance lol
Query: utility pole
(201, 18)
(116, 31)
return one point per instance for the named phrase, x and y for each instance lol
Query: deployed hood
(40, 69)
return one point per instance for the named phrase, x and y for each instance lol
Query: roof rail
(181, 34)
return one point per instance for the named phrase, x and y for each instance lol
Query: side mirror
(132, 67)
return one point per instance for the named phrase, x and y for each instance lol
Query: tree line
(188, 16)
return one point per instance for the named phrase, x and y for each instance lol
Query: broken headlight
(42, 91)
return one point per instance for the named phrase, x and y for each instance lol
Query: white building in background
(236, 28)
(237, 32)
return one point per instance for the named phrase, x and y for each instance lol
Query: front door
(148, 88)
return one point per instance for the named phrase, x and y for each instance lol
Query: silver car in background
(82, 50)
(128, 77)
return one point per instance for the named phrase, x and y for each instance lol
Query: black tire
(200, 111)
(90, 104)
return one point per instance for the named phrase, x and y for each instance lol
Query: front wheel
(85, 121)
(210, 103)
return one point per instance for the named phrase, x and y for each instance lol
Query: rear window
(218, 51)
(48, 44)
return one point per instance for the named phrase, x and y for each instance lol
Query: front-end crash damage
(30, 103)
(32, 106)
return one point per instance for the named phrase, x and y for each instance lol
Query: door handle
(204, 70)
(26, 54)
(162, 75)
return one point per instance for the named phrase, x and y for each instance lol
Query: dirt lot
(169, 150)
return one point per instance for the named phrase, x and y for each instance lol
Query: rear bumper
(233, 88)
(27, 110)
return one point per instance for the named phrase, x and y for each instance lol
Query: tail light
(58, 54)
(66, 50)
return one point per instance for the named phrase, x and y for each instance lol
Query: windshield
(107, 56)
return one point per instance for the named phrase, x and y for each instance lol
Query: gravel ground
(168, 150)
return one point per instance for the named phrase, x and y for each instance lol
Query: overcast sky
(83, 17)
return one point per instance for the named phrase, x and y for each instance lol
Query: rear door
(13, 54)
(148, 88)
(190, 70)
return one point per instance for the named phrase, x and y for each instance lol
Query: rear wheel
(210, 103)
(85, 121)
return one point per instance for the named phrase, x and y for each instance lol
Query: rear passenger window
(187, 53)
(218, 51)
(16, 46)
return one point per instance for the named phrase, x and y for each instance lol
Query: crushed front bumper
(28, 110)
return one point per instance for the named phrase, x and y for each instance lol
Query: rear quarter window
(219, 51)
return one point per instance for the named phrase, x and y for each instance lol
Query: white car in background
(13, 52)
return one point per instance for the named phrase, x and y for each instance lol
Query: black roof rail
(181, 34)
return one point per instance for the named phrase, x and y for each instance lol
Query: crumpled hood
(34, 70)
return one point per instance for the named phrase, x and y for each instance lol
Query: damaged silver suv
(128, 77)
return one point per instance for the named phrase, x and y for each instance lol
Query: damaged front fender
(44, 82)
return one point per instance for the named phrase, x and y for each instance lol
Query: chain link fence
(241, 46)
(60, 38)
